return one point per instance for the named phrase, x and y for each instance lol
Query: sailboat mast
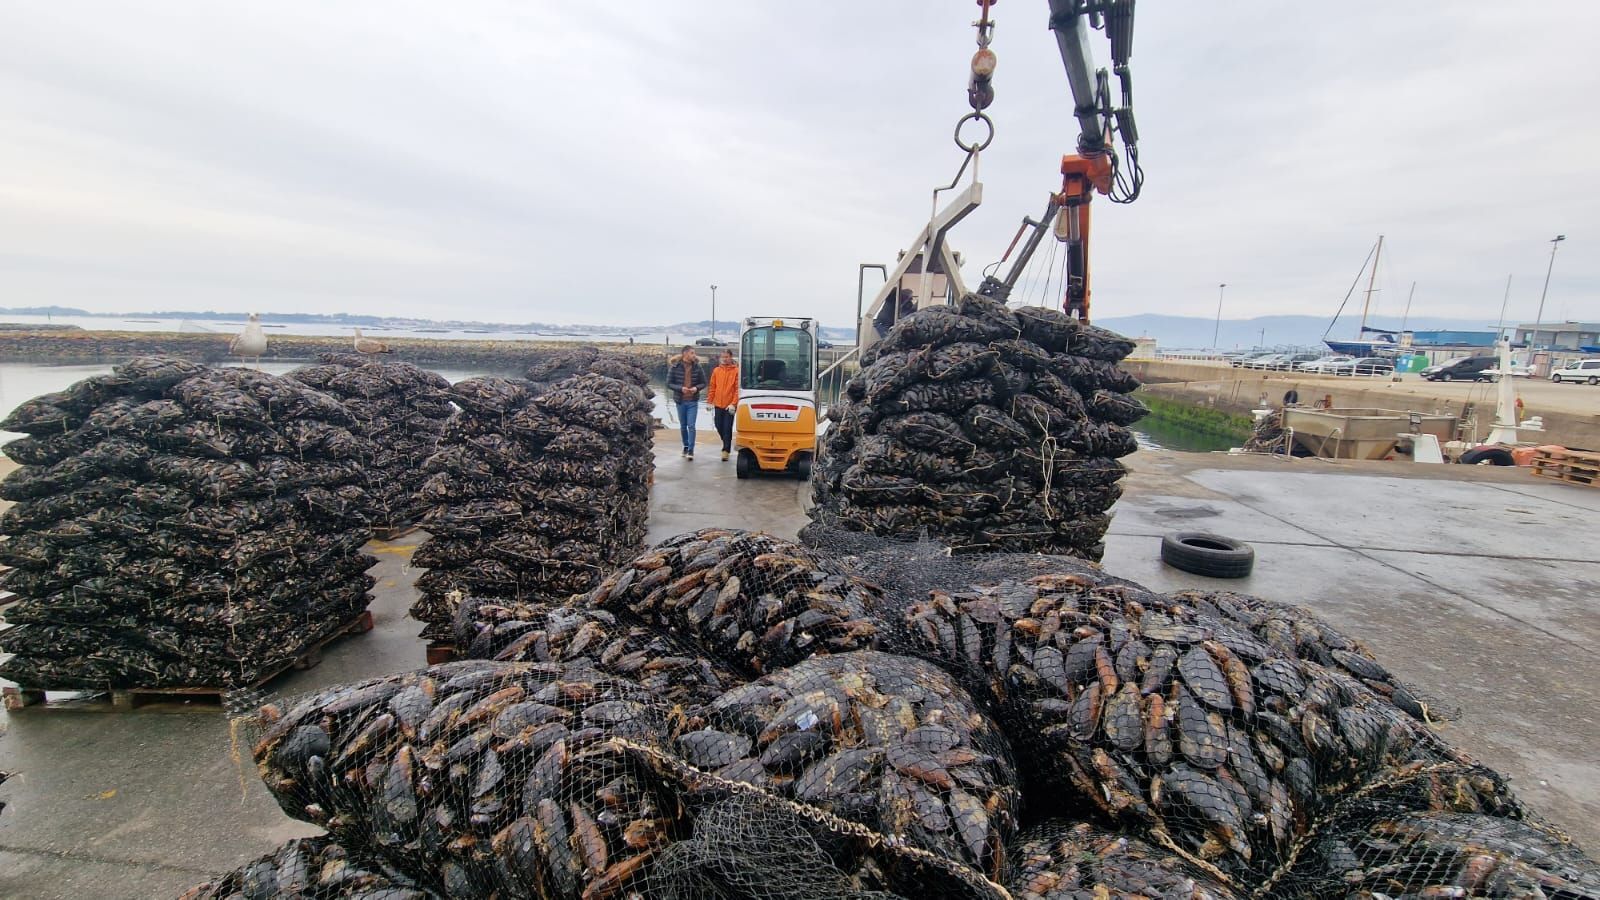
(1367, 306)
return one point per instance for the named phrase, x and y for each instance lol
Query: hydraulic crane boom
(1095, 167)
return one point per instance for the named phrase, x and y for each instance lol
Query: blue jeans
(688, 411)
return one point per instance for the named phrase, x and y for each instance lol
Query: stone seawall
(57, 347)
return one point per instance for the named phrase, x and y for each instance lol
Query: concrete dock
(1475, 584)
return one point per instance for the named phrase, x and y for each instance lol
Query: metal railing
(830, 381)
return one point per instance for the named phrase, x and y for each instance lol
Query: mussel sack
(400, 411)
(978, 392)
(885, 741)
(535, 490)
(1166, 719)
(314, 867)
(174, 535)
(751, 601)
(1060, 858)
(1386, 849)
(481, 779)
(510, 631)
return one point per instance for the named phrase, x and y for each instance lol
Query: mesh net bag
(309, 869)
(401, 410)
(480, 779)
(1167, 720)
(510, 631)
(747, 599)
(179, 539)
(1449, 829)
(1296, 631)
(989, 428)
(535, 492)
(884, 741)
(1060, 859)
(554, 365)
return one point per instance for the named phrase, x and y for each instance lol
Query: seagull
(368, 345)
(251, 343)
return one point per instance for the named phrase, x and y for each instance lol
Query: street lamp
(1215, 331)
(1548, 269)
(713, 312)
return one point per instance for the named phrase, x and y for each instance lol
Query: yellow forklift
(775, 429)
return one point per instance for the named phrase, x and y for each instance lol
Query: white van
(1578, 370)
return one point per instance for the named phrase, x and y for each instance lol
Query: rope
(667, 764)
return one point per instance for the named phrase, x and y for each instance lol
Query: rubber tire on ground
(1445, 376)
(744, 464)
(1594, 380)
(802, 467)
(1494, 456)
(1211, 555)
(1555, 379)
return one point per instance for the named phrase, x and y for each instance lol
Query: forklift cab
(775, 429)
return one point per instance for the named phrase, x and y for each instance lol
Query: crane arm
(1095, 167)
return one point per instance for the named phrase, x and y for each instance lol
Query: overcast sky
(606, 162)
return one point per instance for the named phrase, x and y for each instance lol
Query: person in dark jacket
(685, 381)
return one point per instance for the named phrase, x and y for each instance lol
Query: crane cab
(775, 428)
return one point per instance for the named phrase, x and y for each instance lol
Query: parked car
(1465, 368)
(711, 342)
(1516, 370)
(1321, 363)
(824, 345)
(1586, 370)
(1265, 361)
(1243, 360)
(1296, 360)
(1366, 366)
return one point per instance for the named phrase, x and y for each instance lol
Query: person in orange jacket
(723, 396)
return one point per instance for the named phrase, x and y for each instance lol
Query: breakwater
(83, 347)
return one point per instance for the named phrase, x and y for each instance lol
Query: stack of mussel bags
(401, 410)
(178, 525)
(538, 488)
(732, 715)
(989, 428)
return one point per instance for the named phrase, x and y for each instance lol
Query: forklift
(775, 428)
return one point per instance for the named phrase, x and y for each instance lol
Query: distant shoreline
(68, 347)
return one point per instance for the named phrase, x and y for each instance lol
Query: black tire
(1492, 456)
(1556, 378)
(744, 465)
(1211, 555)
(1594, 380)
(802, 467)
(1445, 376)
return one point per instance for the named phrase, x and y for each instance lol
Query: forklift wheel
(744, 464)
(802, 468)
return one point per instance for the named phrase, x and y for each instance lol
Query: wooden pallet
(1568, 474)
(441, 652)
(205, 699)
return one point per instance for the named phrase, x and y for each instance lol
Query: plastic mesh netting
(756, 601)
(401, 410)
(177, 525)
(536, 490)
(309, 869)
(1025, 727)
(990, 428)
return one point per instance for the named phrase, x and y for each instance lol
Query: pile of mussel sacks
(733, 715)
(538, 488)
(989, 428)
(401, 410)
(178, 525)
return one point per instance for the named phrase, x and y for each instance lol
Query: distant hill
(1174, 332)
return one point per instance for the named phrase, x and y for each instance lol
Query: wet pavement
(1480, 591)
